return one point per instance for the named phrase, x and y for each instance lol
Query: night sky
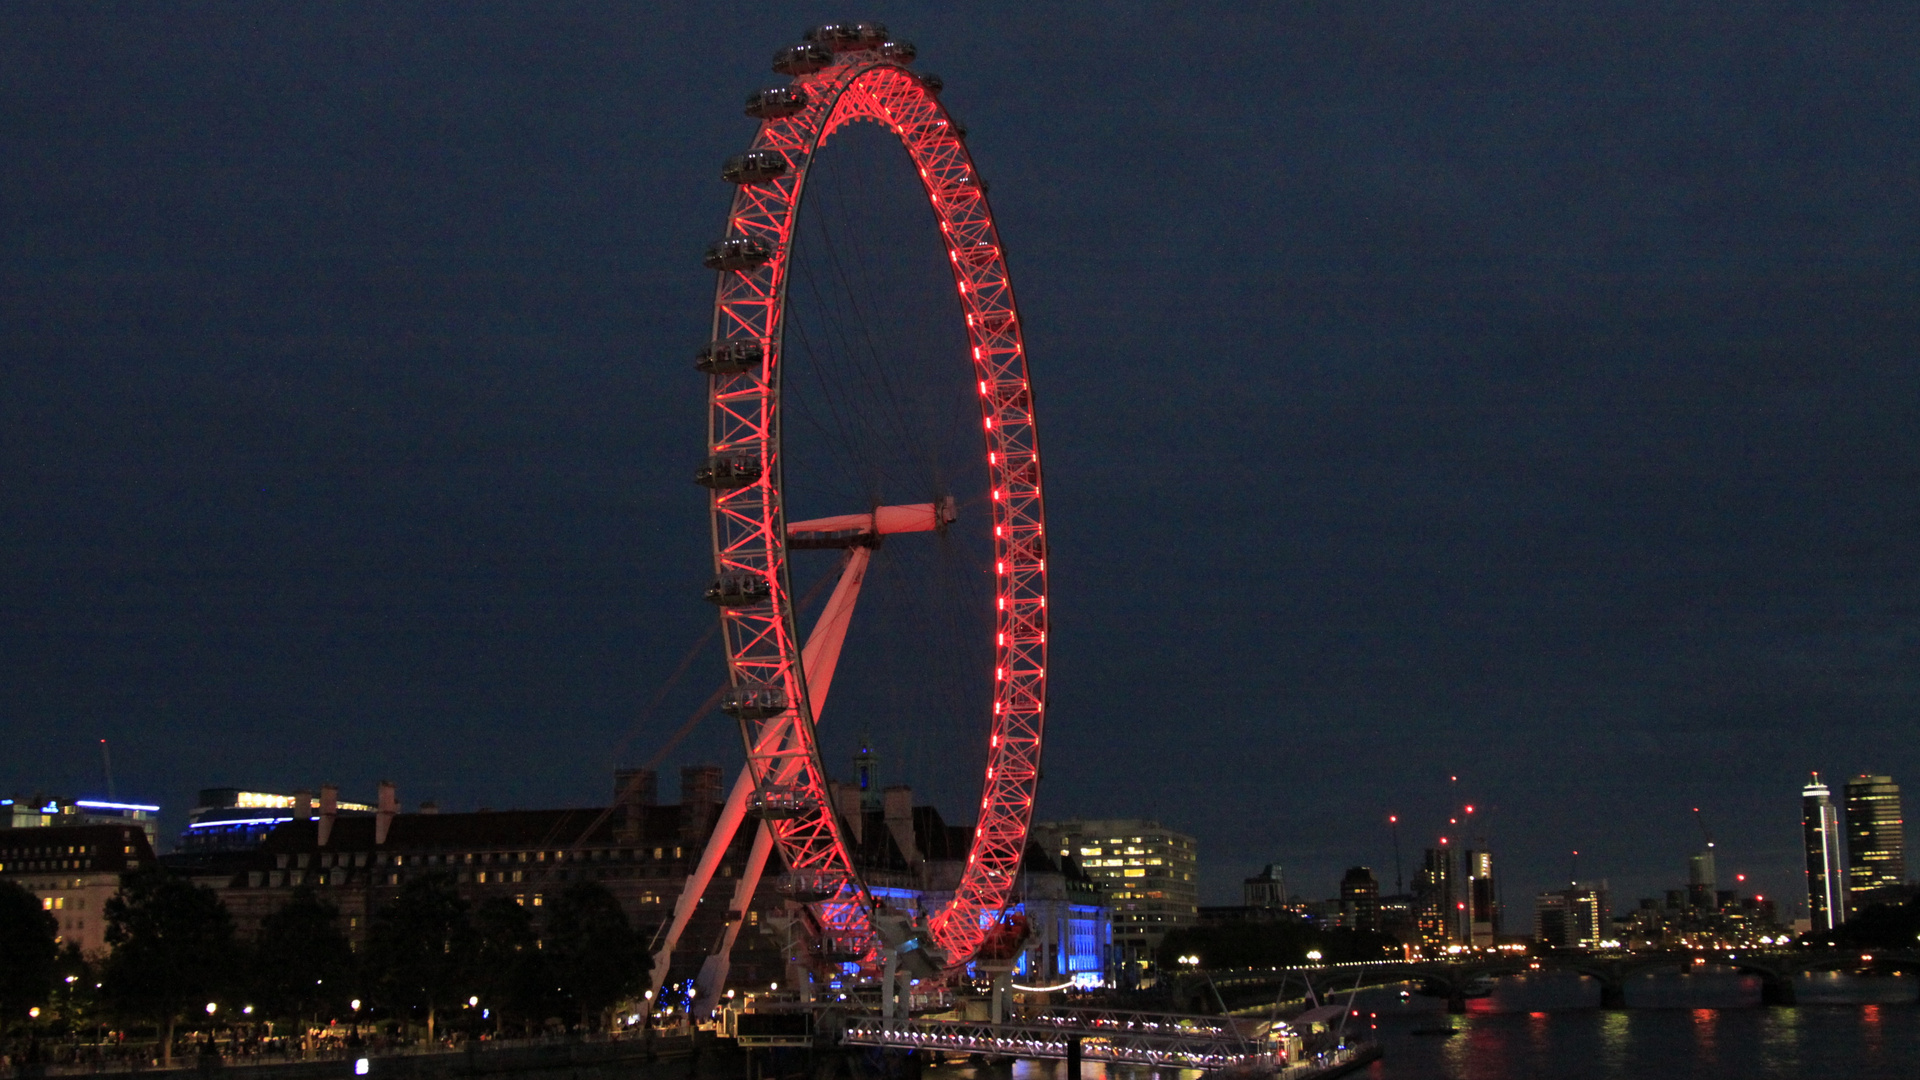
(1524, 393)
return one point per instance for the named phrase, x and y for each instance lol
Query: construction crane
(1701, 819)
(1702, 875)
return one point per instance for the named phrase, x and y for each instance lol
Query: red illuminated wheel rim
(768, 691)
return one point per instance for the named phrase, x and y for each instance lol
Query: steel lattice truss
(749, 523)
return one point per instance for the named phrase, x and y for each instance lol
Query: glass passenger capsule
(753, 167)
(737, 253)
(739, 588)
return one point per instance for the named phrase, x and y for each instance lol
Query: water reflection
(1876, 1041)
(1843, 988)
(1615, 1036)
(1800, 1043)
(1705, 1034)
(1780, 1037)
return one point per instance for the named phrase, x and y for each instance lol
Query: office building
(41, 812)
(1578, 917)
(1876, 842)
(1266, 890)
(1360, 900)
(1481, 915)
(75, 870)
(229, 819)
(1435, 901)
(1702, 880)
(643, 854)
(1150, 876)
(1826, 876)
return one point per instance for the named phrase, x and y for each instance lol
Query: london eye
(829, 440)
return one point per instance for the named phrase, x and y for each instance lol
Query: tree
(511, 970)
(421, 947)
(596, 956)
(172, 949)
(29, 952)
(303, 965)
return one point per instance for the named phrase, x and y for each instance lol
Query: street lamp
(212, 1007)
(1313, 955)
(356, 1004)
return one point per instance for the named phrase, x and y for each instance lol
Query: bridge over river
(1253, 991)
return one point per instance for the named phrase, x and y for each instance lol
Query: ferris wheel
(779, 678)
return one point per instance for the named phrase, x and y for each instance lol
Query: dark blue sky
(1528, 395)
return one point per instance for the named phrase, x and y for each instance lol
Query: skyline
(1522, 396)
(1459, 834)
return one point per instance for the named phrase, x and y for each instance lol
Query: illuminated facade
(1826, 876)
(1579, 917)
(643, 853)
(1360, 900)
(1149, 872)
(74, 871)
(41, 812)
(1876, 841)
(1480, 917)
(229, 819)
(1436, 903)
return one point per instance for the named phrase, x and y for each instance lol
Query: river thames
(1698, 1027)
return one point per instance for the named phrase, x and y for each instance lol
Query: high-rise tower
(1826, 880)
(1482, 900)
(1436, 907)
(1876, 840)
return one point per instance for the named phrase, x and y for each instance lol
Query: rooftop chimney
(700, 795)
(302, 805)
(897, 802)
(389, 805)
(633, 790)
(846, 799)
(329, 809)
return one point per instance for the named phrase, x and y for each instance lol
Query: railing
(1101, 1021)
(1141, 1042)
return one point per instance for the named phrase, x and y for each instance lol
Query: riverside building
(1826, 874)
(1876, 841)
(1150, 875)
(74, 870)
(640, 851)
